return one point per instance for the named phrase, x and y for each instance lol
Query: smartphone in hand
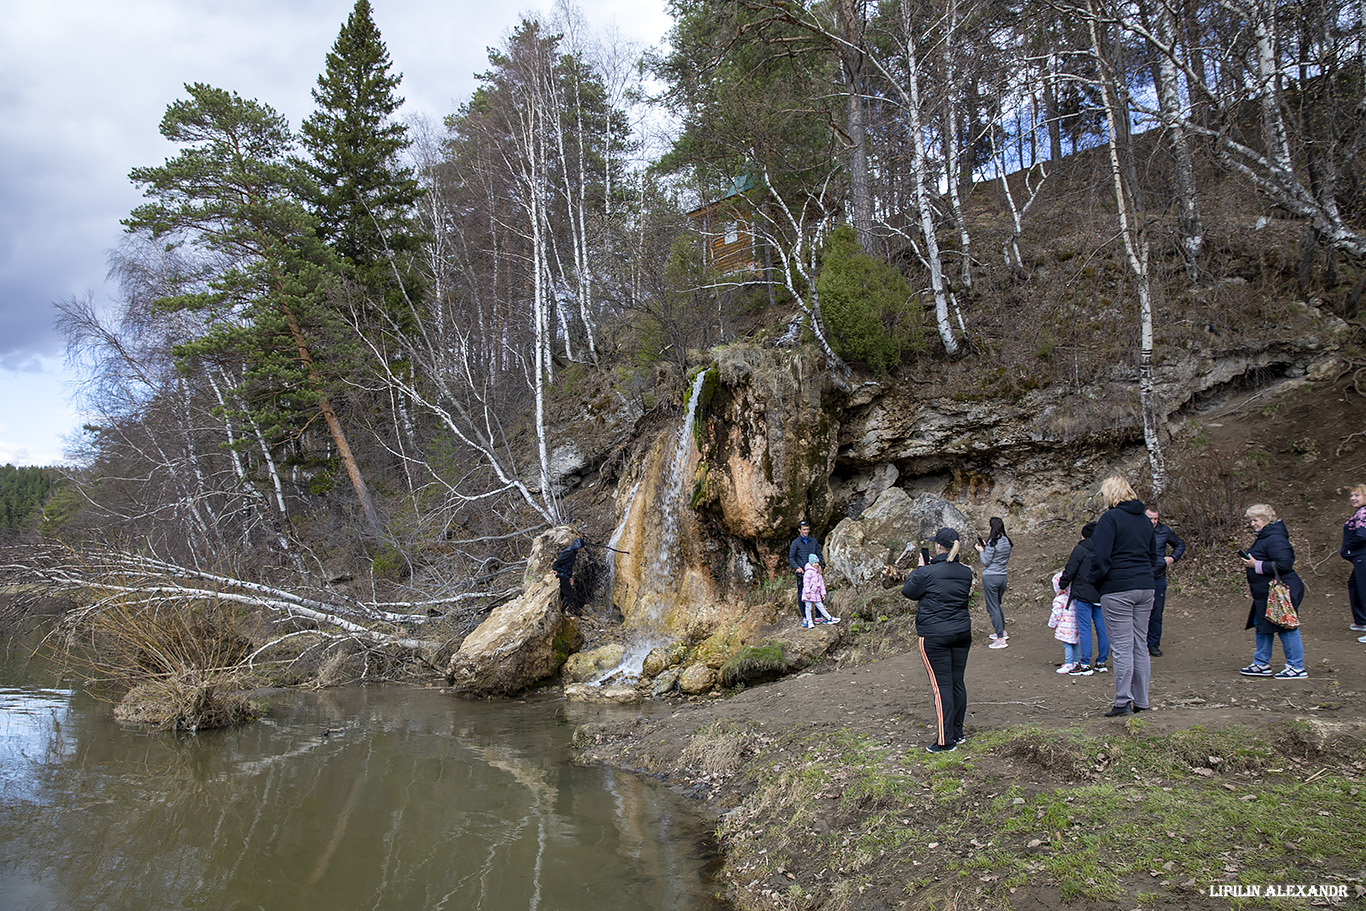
(981, 541)
(925, 556)
(1245, 555)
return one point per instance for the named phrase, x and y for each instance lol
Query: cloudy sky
(83, 85)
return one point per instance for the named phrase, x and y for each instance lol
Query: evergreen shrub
(870, 311)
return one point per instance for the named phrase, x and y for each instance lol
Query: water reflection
(360, 798)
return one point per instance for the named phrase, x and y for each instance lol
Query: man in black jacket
(801, 548)
(1164, 538)
(944, 626)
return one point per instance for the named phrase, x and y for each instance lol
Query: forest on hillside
(363, 342)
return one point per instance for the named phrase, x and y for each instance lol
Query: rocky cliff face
(770, 437)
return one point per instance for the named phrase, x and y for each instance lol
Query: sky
(83, 86)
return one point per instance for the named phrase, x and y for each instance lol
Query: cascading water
(647, 626)
(672, 502)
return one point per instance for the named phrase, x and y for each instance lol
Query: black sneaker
(1154, 651)
(1120, 710)
(1101, 667)
(940, 748)
(1081, 670)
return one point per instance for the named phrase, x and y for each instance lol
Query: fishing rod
(605, 547)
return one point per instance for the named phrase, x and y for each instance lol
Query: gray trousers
(993, 587)
(1126, 620)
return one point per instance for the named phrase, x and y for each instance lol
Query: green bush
(871, 313)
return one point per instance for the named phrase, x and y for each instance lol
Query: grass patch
(1058, 816)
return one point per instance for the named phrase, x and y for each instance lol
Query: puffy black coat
(1077, 574)
(1123, 550)
(942, 588)
(1272, 547)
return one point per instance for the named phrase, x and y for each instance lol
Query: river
(373, 798)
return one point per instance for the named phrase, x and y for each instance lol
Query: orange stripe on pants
(938, 699)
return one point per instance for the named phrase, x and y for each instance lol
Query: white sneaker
(992, 637)
(1358, 627)
(1361, 638)
(1066, 668)
(1001, 643)
(833, 620)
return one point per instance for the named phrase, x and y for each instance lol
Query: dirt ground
(1305, 455)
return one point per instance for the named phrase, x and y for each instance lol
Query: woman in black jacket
(1086, 600)
(1271, 557)
(1123, 552)
(944, 626)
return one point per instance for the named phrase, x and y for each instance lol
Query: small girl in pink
(1063, 621)
(813, 593)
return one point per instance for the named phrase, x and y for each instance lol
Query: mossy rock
(754, 664)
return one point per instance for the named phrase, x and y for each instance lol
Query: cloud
(83, 86)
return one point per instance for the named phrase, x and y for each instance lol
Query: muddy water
(344, 799)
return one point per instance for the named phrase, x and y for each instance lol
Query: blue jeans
(1291, 644)
(1070, 653)
(1087, 612)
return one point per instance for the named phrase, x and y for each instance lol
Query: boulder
(612, 695)
(521, 643)
(666, 682)
(584, 666)
(858, 550)
(696, 679)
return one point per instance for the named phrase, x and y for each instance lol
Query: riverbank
(825, 797)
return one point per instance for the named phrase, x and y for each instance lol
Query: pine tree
(233, 191)
(363, 195)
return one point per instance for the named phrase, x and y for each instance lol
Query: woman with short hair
(1271, 557)
(1354, 551)
(1123, 551)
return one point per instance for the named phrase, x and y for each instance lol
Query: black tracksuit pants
(946, 660)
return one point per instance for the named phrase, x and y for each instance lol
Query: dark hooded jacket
(1123, 550)
(1077, 574)
(942, 587)
(1277, 557)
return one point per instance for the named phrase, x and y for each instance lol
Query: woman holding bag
(1271, 557)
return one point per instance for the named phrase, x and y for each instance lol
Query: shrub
(871, 313)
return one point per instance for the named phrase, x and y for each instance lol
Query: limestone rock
(858, 549)
(666, 682)
(770, 442)
(522, 642)
(584, 666)
(696, 679)
(614, 695)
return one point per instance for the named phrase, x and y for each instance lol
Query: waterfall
(659, 569)
(615, 540)
(672, 503)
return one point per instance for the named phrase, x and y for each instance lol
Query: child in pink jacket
(813, 593)
(1063, 620)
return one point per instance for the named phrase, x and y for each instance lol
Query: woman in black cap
(944, 625)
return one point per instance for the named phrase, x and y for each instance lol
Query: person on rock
(798, 552)
(563, 568)
(1164, 537)
(944, 626)
(813, 593)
